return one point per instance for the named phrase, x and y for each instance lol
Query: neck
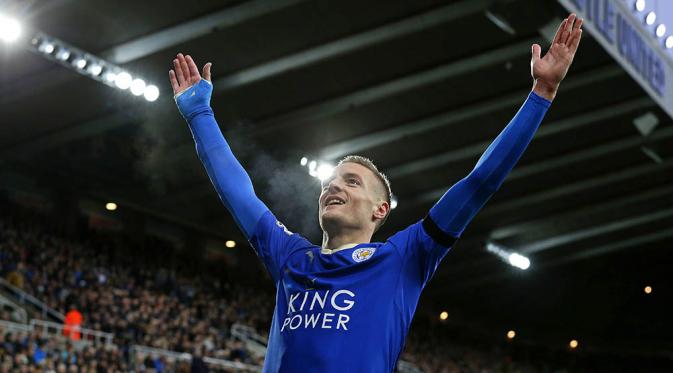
(334, 240)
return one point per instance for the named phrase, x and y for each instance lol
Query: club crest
(363, 253)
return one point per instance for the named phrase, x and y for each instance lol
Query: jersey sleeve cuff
(436, 233)
(539, 99)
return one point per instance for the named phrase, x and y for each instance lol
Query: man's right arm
(272, 242)
(231, 181)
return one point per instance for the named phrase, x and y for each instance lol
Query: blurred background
(116, 254)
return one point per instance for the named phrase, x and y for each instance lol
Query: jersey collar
(342, 247)
(345, 247)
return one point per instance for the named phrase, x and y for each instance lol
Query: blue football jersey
(345, 311)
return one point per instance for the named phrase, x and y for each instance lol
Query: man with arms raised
(346, 306)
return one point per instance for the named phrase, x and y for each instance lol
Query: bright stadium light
(324, 171)
(519, 261)
(151, 93)
(80, 63)
(89, 65)
(648, 290)
(509, 256)
(661, 30)
(110, 206)
(511, 334)
(651, 18)
(312, 165)
(46, 47)
(138, 87)
(669, 42)
(230, 244)
(63, 54)
(319, 170)
(444, 315)
(573, 344)
(109, 77)
(640, 5)
(123, 80)
(393, 203)
(10, 29)
(95, 69)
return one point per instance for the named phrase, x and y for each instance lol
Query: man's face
(349, 197)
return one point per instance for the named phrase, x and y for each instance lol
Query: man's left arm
(424, 244)
(452, 213)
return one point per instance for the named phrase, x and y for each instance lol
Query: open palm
(552, 68)
(186, 74)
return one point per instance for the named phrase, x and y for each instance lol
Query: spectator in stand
(73, 323)
(15, 278)
(198, 365)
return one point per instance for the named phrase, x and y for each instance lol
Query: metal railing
(18, 313)
(407, 367)
(49, 328)
(144, 351)
(86, 335)
(15, 327)
(254, 342)
(221, 363)
(24, 298)
(153, 351)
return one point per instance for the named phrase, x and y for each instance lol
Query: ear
(381, 210)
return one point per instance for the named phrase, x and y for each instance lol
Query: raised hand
(549, 70)
(186, 74)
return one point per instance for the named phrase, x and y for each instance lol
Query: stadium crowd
(28, 352)
(141, 303)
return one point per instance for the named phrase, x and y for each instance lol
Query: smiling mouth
(334, 201)
(332, 206)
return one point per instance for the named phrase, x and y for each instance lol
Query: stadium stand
(142, 312)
